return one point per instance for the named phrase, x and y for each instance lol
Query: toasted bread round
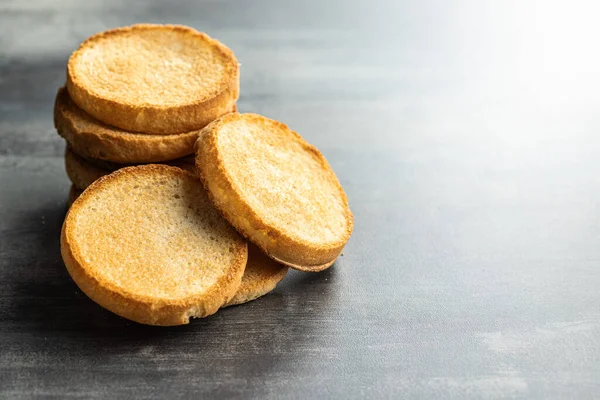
(74, 193)
(84, 171)
(261, 276)
(146, 243)
(275, 189)
(91, 138)
(159, 79)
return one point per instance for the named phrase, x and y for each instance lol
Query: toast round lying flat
(146, 243)
(158, 79)
(275, 189)
(84, 171)
(261, 276)
(91, 138)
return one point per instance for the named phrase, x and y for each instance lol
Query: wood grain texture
(466, 136)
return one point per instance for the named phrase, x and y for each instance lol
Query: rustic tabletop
(466, 135)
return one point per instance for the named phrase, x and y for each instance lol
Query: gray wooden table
(467, 136)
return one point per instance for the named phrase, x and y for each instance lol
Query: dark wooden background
(467, 136)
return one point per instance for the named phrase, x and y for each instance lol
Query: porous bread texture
(91, 138)
(84, 171)
(156, 79)
(261, 275)
(275, 189)
(146, 243)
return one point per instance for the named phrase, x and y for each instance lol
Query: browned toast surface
(276, 189)
(146, 243)
(159, 79)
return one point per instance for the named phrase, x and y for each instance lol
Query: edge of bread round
(94, 139)
(279, 242)
(124, 282)
(84, 171)
(74, 193)
(312, 268)
(188, 163)
(81, 173)
(189, 112)
(261, 275)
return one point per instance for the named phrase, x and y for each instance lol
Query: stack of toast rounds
(180, 205)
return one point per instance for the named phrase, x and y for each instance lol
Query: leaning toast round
(275, 189)
(157, 79)
(94, 139)
(261, 276)
(146, 243)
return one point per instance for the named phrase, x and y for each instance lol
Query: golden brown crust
(91, 138)
(144, 309)
(133, 113)
(278, 243)
(84, 171)
(261, 276)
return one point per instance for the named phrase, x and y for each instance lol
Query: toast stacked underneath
(181, 206)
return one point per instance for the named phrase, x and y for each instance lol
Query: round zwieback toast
(84, 171)
(261, 276)
(146, 243)
(91, 138)
(275, 189)
(157, 79)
